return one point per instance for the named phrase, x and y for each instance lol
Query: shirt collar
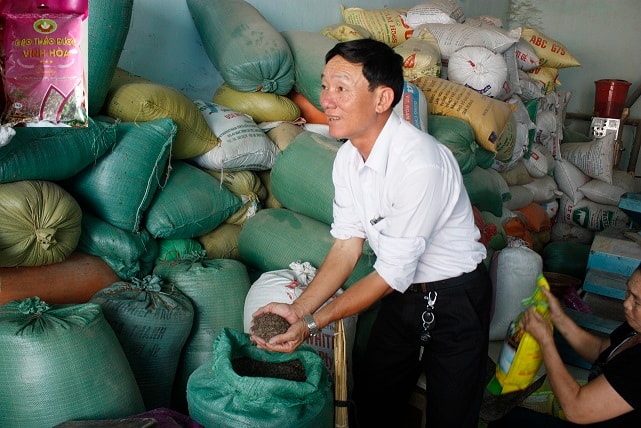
(379, 155)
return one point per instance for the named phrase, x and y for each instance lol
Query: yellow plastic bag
(520, 357)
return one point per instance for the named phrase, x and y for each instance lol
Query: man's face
(348, 103)
(632, 303)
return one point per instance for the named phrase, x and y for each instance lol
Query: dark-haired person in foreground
(612, 396)
(399, 188)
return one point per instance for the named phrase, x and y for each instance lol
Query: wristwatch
(311, 325)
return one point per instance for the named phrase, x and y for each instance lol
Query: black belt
(418, 287)
(424, 287)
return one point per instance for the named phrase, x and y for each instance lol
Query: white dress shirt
(408, 200)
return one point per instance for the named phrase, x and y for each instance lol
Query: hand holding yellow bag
(520, 357)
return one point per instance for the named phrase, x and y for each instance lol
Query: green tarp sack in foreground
(59, 363)
(217, 289)
(152, 321)
(218, 397)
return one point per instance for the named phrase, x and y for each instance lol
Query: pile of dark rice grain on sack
(267, 326)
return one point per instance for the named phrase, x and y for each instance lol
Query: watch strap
(311, 325)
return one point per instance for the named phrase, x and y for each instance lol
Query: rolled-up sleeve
(397, 259)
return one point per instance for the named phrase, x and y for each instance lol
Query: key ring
(428, 316)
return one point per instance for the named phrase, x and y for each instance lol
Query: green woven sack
(486, 189)
(41, 223)
(484, 158)
(191, 204)
(180, 249)
(152, 321)
(248, 52)
(108, 29)
(53, 153)
(309, 49)
(218, 397)
(275, 237)
(129, 255)
(301, 177)
(119, 187)
(458, 136)
(61, 362)
(217, 289)
(567, 257)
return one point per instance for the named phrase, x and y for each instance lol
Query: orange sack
(74, 280)
(308, 111)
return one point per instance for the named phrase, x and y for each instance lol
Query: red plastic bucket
(610, 97)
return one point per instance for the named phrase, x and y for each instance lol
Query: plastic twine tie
(46, 237)
(304, 271)
(269, 85)
(152, 285)
(33, 306)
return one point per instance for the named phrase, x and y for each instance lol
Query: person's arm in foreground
(593, 402)
(332, 274)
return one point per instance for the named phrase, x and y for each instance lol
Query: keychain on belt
(428, 317)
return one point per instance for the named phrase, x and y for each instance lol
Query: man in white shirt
(402, 190)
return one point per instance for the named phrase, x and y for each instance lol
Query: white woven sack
(546, 132)
(285, 286)
(544, 189)
(540, 163)
(531, 89)
(594, 158)
(512, 85)
(526, 57)
(478, 68)
(551, 208)
(452, 37)
(437, 11)
(591, 215)
(608, 194)
(521, 197)
(569, 179)
(513, 272)
(243, 145)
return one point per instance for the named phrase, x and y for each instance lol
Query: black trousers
(454, 360)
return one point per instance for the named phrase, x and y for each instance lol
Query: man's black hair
(382, 66)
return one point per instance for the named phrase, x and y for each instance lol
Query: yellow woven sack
(345, 32)
(520, 357)
(551, 53)
(135, 99)
(421, 58)
(385, 25)
(249, 189)
(548, 76)
(222, 242)
(261, 106)
(487, 116)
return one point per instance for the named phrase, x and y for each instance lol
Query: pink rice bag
(43, 77)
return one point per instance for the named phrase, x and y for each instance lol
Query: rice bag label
(43, 72)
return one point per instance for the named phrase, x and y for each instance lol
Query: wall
(163, 44)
